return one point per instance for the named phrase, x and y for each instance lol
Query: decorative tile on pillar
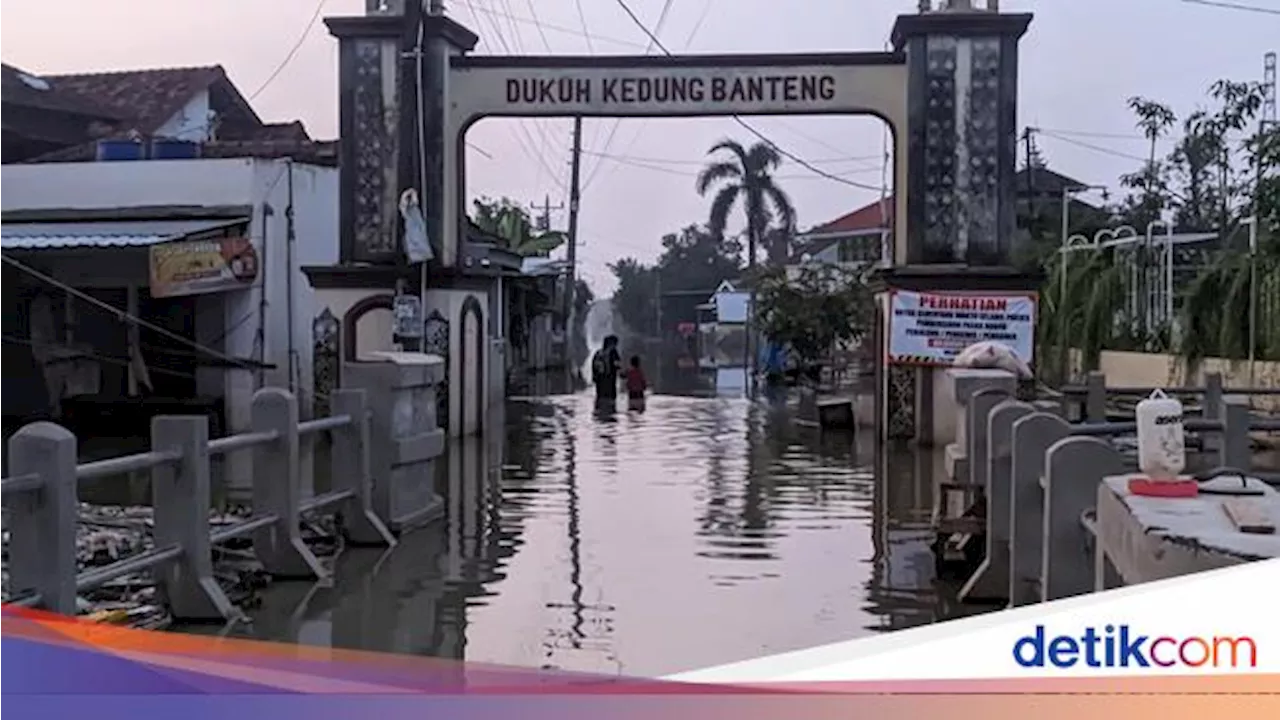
(372, 154)
(326, 352)
(902, 402)
(981, 196)
(435, 340)
(940, 143)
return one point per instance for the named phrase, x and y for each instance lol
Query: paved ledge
(1146, 538)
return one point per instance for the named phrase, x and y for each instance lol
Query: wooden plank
(1249, 516)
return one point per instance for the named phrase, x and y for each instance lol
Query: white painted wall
(373, 331)
(193, 122)
(128, 184)
(450, 303)
(731, 306)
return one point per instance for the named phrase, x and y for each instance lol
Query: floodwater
(704, 530)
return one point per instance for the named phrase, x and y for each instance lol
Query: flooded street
(704, 530)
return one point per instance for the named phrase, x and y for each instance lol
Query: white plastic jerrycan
(1162, 450)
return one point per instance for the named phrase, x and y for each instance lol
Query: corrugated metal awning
(104, 234)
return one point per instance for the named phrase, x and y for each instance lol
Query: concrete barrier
(1039, 478)
(41, 494)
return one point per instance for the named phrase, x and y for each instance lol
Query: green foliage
(813, 308)
(511, 223)
(634, 300)
(692, 259)
(747, 176)
(1223, 168)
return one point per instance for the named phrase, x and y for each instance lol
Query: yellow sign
(191, 267)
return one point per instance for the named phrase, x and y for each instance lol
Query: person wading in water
(606, 366)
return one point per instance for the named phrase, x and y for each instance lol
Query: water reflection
(587, 537)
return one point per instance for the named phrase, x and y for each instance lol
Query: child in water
(637, 384)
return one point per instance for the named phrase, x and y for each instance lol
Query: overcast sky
(1081, 59)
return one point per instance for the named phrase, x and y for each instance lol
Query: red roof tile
(869, 217)
(28, 89)
(148, 98)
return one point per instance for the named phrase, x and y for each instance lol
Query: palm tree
(747, 174)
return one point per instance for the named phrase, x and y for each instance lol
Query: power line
(288, 58)
(583, 32)
(528, 145)
(688, 42)
(1090, 146)
(781, 151)
(669, 161)
(1092, 134)
(650, 165)
(582, 20)
(1235, 6)
(541, 33)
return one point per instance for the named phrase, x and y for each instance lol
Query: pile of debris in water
(108, 534)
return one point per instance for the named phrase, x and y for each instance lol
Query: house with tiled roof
(855, 237)
(96, 114)
(863, 235)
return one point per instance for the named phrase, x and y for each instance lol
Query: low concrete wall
(1155, 369)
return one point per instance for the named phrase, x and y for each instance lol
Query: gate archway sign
(948, 92)
(681, 86)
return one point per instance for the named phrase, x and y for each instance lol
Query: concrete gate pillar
(393, 72)
(961, 198)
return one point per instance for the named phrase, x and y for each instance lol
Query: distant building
(863, 236)
(858, 237)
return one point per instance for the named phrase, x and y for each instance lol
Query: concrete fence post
(1095, 402)
(991, 580)
(979, 412)
(1033, 435)
(180, 496)
(1212, 404)
(1074, 469)
(351, 471)
(277, 487)
(42, 523)
(1237, 449)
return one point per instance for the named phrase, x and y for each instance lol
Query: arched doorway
(471, 369)
(353, 329)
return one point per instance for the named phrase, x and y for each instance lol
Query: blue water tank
(165, 149)
(112, 150)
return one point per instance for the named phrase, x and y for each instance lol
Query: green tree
(746, 175)
(510, 222)
(1224, 167)
(634, 299)
(698, 259)
(692, 259)
(813, 309)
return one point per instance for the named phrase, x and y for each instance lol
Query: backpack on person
(599, 366)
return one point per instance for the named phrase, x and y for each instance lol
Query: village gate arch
(948, 92)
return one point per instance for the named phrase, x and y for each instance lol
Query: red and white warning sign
(932, 328)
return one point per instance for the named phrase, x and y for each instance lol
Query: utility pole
(657, 305)
(1031, 185)
(543, 220)
(571, 279)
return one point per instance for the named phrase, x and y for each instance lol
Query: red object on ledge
(1141, 485)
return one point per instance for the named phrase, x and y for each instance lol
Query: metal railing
(42, 498)
(1040, 478)
(1092, 396)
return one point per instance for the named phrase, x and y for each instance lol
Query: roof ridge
(102, 73)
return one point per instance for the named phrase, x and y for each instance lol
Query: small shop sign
(192, 267)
